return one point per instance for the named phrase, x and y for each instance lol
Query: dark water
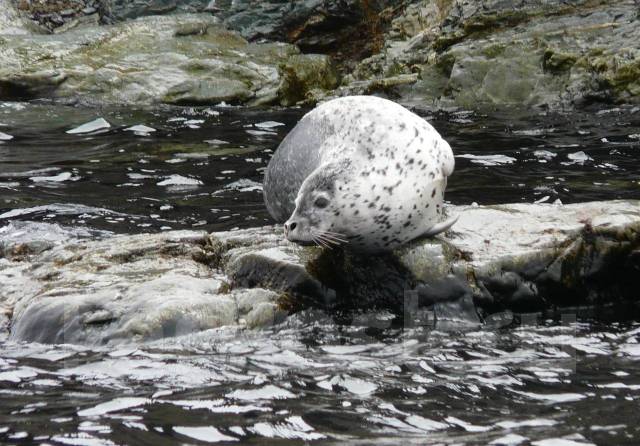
(123, 182)
(547, 385)
(310, 380)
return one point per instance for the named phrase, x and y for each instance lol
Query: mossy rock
(303, 73)
(558, 62)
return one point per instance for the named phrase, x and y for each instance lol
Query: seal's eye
(321, 202)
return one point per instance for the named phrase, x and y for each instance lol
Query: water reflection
(335, 384)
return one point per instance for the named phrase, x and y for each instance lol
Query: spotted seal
(359, 171)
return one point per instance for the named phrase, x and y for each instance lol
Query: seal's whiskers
(332, 236)
(320, 242)
(328, 239)
(333, 233)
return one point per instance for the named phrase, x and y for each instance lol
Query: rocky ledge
(61, 285)
(176, 59)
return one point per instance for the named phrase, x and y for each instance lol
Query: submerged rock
(519, 257)
(177, 59)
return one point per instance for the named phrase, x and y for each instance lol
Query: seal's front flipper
(440, 227)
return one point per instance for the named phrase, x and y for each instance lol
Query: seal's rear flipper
(440, 227)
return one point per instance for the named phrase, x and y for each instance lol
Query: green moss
(396, 68)
(445, 64)
(627, 75)
(304, 73)
(558, 62)
(493, 51)
(444, 6)
(445, 41)
(492, 21)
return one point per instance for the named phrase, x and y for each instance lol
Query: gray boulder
(518, 257)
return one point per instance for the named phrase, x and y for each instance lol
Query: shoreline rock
(479, 55)
(176, 59)
(517, 257)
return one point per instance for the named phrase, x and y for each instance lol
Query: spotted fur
(382, 169)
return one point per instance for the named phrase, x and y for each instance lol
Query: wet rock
(10, 20)
(57, 16)
(536, 53)
(303, 76)
(126, 288)
(350, 29)
(519, 257)
(19, 239)
(178, 59)
(327, 26)
(125, 9)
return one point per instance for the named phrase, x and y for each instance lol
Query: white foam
(293, 428)
(553, 397)
(208, 434)
(115, 405)
(216, 142)
(560, 442)
(140, 130)
(535, 422)
(579, 157)
(356, 386)
(17, 375)
(268, 392)
(260, 133)
(467, 426)
(509, 440)
(61, 177)
(216, 406)
(268, 124)
(89, 127)
(544, 154)
(488, 160)
(630, 349)
(425, 424)
(179, 180)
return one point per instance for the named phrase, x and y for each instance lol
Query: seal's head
(317, 217)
